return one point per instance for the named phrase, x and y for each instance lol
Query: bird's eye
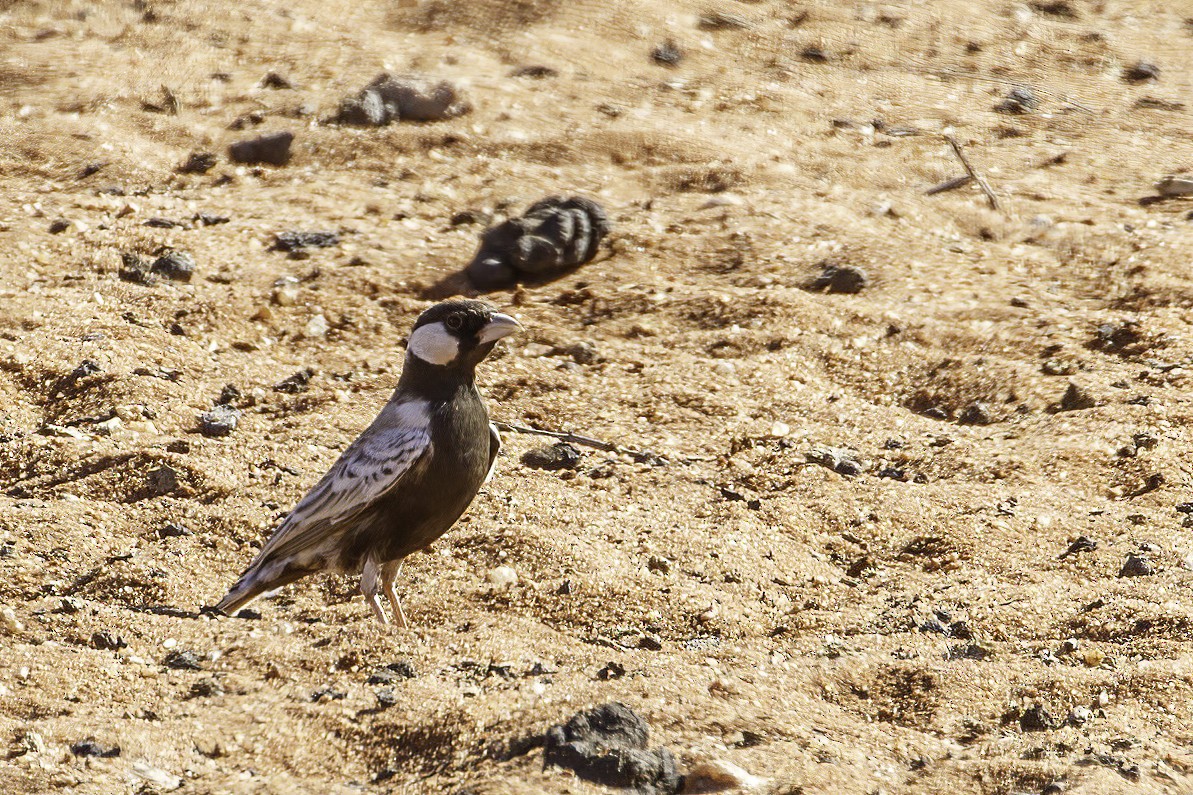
(454, 322)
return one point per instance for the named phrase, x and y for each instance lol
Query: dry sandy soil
(910, 628)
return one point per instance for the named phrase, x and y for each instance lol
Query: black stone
(1037, 719)
(198, 163)
(1140, 72)
(174, 265)
(839, 279)
(1137, 566)
(667, 54)
(59, 226)
(92, 748)
(220, 421)
(391, 673)
(560, 455)
(276, 81)
(295, 383)
(607, 745)
(173, 530)
(975, 414)
(293, 241)
(273, 149)
(1018, 101)
(107, 641)
(183, 660)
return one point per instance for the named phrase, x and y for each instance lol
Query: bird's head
(459, 333)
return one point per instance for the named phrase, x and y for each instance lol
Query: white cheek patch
(434, 344)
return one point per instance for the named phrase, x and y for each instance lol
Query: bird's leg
(369, 576)
(388, 573)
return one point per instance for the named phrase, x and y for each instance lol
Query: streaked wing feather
(494, 449)
(368, 469)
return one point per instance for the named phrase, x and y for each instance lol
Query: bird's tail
(255, 582)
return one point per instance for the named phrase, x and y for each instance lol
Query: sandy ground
(912, 628)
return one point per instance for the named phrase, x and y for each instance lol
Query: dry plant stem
(588, 441)
(990, 197)
(949, 184)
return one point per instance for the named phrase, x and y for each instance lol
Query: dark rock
(535, 72)
(1137, 565)
(92, 748)
(554, 235)
(975, 414)
(1140, 72)
(162, 480)
(177, 266)
(210, 219)
(229, 395)
(1076, 399)
(107, 641)
(667, 54)
(468, 217)
(161, 223)
(612, 670)
(1061, 9)
(199, 163)
(59, 226)
(815, 55)
(295, 383)
(183, 660)
(719, 20)
(173, 530)
(389, 99)
(838, 459)
(136, 270)
(220, 421)
(1082, 544)
(1037, 719)
(328, 694)
(393, 672)
(206, 687)
(386, 697)
(839, 279)
(607, 745)
(249, 613)
(293, 241)
(273, 149)
(275, 81)
(1018, 101)
(560, 455)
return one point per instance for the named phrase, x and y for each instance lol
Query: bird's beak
(499, 326)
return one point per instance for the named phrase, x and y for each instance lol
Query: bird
(406, 479)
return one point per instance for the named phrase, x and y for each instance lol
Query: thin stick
(990, 197)
(949, 184)
(644, 456)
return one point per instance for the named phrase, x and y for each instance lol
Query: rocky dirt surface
(922, 528)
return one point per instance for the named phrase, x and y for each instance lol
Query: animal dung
(554, 235)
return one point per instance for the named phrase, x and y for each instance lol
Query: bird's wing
(494, 449)
(368, 469)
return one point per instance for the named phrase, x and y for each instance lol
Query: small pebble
(718, 775)
(667, 54)
(1037, 718)
(174, 265)
(198, 163)
(183, 660)
(502, 577)
(1140, 72)
(560, 455)
(1019, 100)
(1137, 566)
(9, 622)
(92, 748)
(839, 279)
(272, 149)
(1076, 399)
(393, 672)
(285, 291)
(317, 326)
(220, 421)
(779, 429)
(975, 414)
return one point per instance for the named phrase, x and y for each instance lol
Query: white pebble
(9, 621)
(317, 326)
(724, 369)
(502, 577)
(717, 775)
(780, 429)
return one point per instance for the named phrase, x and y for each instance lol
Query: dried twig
(949, 184)
(642, 456)
(990, 197)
